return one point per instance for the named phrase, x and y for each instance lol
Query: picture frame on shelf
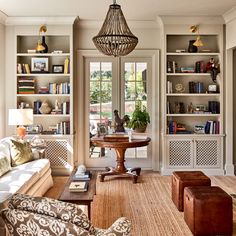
(199, 129)
(34, 129)
(39, 65)
(58, 69)
(102, 129)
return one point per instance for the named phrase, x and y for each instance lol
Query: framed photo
(39, 64)
(58, 69)
(102, 129)
(199, 129)
(33, 129)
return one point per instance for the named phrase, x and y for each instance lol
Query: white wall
(2, 80)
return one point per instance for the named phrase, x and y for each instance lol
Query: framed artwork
(39, 64)
(58, 69)
(102, 129)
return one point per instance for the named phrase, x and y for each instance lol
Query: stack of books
(78, 186)
(82, 176)
(26, 86)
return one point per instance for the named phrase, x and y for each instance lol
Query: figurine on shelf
(120, 122)
(213, 68)
(45, 108)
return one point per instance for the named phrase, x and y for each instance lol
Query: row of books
(26, 86)
(212, 127)
(63, 127)
(23, 68)
(62, 88)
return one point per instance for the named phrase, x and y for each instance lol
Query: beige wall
(149, 38)
(231, 34)
(2, 80)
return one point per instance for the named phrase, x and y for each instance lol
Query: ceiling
(132, 9)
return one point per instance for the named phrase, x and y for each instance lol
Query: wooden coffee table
(80, 198)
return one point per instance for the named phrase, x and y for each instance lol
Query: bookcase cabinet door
(180, 153)
(208, 153)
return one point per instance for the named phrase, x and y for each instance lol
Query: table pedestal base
(128, 172)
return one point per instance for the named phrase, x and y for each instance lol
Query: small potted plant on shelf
(140, 118)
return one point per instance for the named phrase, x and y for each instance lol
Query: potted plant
(140, 118)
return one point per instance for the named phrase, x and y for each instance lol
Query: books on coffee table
(81, 186)
(85, 176)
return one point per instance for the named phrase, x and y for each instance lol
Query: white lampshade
(20, 117)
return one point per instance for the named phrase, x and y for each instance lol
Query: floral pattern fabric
(31, 216)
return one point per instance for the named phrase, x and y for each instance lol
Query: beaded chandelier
(115, 38)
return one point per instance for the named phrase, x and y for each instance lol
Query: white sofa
(33, 178)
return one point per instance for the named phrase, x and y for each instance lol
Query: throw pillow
(5, 165)
(21, 153)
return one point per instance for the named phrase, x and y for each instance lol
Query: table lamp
(20, 117)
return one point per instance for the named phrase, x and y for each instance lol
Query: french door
(116, 83)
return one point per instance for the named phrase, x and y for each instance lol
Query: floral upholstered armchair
(33, 216)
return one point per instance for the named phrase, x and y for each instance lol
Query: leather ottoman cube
(208, 211)
(182, 179)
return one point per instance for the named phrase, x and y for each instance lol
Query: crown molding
(92, 24)
(3, 18)
(67, 20)
(183, 20)
(230, 15)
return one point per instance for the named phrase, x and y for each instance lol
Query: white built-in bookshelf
(53, 86)
(193, 127)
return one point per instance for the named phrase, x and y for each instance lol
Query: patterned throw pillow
(21, 152)
(5, 165)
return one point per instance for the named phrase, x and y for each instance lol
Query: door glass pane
(100, 100)
(135, 86)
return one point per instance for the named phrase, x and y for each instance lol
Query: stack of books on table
(78, 186)
(82, 176)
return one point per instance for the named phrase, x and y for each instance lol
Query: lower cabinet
(193, 153)
(59, 151)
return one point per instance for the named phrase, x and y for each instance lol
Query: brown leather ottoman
(182, 179)
(208, 211)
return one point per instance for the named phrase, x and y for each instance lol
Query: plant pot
(140, 129)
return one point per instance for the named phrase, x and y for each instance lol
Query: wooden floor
(147, 204)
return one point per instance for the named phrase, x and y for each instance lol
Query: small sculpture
(120, 122)
(45, 108)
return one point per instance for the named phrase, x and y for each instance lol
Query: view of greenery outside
(101, 89)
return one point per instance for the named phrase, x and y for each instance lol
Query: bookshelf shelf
(192, 115)
(193, 94)
(43, 75)
(192, 54)
(43, 95)
(43, 54)
(188, 74)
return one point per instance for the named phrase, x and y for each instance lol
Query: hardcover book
(78, 186)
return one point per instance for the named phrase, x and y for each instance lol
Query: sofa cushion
(5, 165)
(40, 166)
(22, 177)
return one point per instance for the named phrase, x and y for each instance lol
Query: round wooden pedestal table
(120, 148)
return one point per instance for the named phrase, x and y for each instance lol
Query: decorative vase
(44, 44)
(140, 129)
(191, 47)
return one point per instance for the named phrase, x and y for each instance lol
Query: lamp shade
(20, 117)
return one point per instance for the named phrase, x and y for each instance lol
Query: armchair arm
(121, 227)
(50, 207)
